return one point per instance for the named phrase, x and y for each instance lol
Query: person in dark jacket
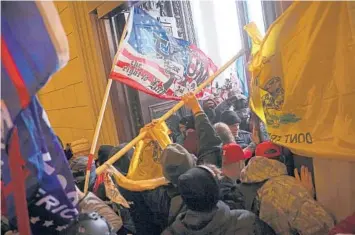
(191, 142)
(241, 108)
(227, 104)
(122, 164)
(208, 141)
(233, 156)
(103, 154)
(67, 150)
(154, 210)
(243, 138)
(205, 213)
(185, 124)
(165, 202)
(209, 108)
(244, 115)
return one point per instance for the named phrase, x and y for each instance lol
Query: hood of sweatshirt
(221, 220)
(260, 169)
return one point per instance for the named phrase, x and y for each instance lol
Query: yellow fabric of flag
(145, 171)
(145, 163)
(303, 79)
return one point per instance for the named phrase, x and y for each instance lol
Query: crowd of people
(225, 178)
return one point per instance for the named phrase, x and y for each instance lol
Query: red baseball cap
(268, 149)
(232, 153)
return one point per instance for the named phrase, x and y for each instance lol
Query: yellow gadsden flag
(145, 171)
(303, 79)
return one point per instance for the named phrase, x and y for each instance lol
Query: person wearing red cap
(233, 156)
(286, 203)
(233, 160)
(273, 151)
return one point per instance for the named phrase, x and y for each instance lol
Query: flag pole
(173, 110)
(100, 119)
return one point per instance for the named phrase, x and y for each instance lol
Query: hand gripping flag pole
(131, 144)
(99, 120)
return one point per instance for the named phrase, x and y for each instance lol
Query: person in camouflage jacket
(281, 200)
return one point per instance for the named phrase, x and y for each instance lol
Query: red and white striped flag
(163, 66)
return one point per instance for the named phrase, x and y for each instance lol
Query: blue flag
(241, 66)
(38, 190)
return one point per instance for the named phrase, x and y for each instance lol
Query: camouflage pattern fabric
(284, 203)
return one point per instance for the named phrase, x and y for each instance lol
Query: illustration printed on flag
(156, 63)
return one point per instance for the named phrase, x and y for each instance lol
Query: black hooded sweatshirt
(220, 221)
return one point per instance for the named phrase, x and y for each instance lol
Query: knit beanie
(80, 147)
(199, 189)
(176, 160)
(103, 154)
(230, 117)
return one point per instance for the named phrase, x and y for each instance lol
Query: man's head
(199, 189)
(209, 103)
(103, 153)
(232, 120)
(241, 102)
(268, 149)
(233, 160)
(176, 160)
(243, 113)
(186, 123)
(224, 133)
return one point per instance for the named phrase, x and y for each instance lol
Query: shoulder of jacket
(245, 219)
(244, 132)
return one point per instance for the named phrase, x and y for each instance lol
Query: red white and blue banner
(37, 189)
(156, 63)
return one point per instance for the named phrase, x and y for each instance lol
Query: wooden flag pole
(173, 110)
(100, 119)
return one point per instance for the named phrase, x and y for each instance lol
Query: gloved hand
(192, 102)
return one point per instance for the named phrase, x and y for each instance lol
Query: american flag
(37, 187)
(154, 62)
